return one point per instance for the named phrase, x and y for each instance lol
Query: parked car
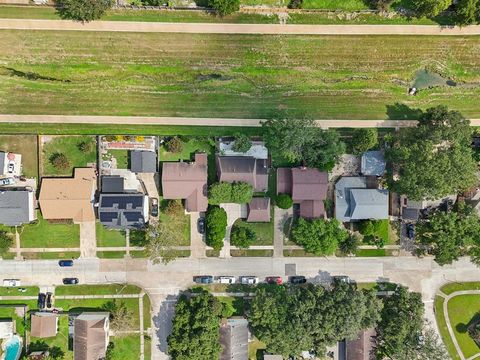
(41, 301)
(410, 231)
(249, 280)
(7, 181)
(298, 279)
(154, 207)
(65, 263)
(70, 281)
(11, 167)
(274, 280)
(11, 282)
(203, 279)
(49, 300)
(343, 278)
(201, 225)
(226, 279)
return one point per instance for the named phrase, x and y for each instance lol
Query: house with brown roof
(44, 324)
(361, 348)
(187, 180)
(307, 187)
(258, 210)
(69, 198)
(245, 169)
(90, 335)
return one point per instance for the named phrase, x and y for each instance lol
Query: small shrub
(220, 193)
(82, 10)
(284, 201)
(295, 4)
(86, 146)
(59, 161)
(242, 236)
(174, 145)
(216, 227)
(6, 242)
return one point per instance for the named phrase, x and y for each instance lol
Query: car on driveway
(274, 280)
(70, 281)
(41, 300)
(410, 231)
(226, 279)
(298, 279)
(65, 263)
(7, 181)
(49, 300)
(201, 225)
(203, 279)
(154, 207)
(249, 280)
(343, 278)
(11, 167)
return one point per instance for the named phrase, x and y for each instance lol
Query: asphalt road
(164, 282)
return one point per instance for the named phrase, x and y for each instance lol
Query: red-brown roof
(245, 169)
(259, 210)
(311, 209)
(362, 347)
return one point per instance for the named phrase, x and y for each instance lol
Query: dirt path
(208, 28)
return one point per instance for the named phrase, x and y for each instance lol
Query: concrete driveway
(234, 212)
(88, 239)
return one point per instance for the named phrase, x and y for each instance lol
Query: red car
(274, 280)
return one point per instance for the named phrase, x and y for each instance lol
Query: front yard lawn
(26, 145)
(234, 305)
(106, 289)
(51, 255)
(70, 147)
(109, 237)
(264, 231)
(13, 291)
(45, 234)
(453, 287)
(442, 327)
(381, 229)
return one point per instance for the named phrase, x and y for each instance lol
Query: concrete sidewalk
(218, 28)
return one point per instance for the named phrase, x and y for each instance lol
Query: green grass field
(26, 145)
(208, 75)
(455, 286)
(442, 327)
(264, 231)
(109, 237)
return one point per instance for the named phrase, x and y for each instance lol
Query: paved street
(164, 282)
(218, 28)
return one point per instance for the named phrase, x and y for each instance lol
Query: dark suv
(298, 279)
(41, 301)
(204, 279)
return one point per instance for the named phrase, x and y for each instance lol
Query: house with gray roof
(234, 339)
(373, 163)
(245, 169)
(143, 161)
(354, 201)
(17, 207)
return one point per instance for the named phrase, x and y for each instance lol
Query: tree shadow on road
(163, 321)
(400, 111)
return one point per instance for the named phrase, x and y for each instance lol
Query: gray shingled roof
(122, 211)
(353, 201)
(143, 161)
(112, 184)
(15, 207)
(3, 157)
(373, 163)
(234, 339)
(243, 169)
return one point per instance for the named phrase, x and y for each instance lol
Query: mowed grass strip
(245, 76)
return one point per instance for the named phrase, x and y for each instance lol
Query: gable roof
(243, 169)
(353, 201)
(16, 207)
(373, 163)
(362, 347)
(181, 180)
(69, 198)
(234, 339)
(44, 324)
(143, 161)
(90, 337)
(122, 211)
(259, 210)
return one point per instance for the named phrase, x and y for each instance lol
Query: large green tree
(401, 325)
(430, 8)
(313, 316)
(467, 11)
(162, 237)
(216, 227)
(82, 10)
(224, 7)
(242, 236)
(318, 236)
(433, 159)
(6, 242)
(195, 329)
(223, 192)
(299, 141)
(364, 139)
(449, 234)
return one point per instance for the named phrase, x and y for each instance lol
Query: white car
(249, 280)
(11, 167)
(11, 282)
(226, 279)
(7, 181)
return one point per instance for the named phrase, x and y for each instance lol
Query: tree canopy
(242, 236)
(313, 316)
(318, 236)
(196, 328)
(364, 139)
(242, 143)
(434, 159)
(468, 11)
(82, 10)
(216, 226)
(6, 242)
(162, 237)
(430, 8)
(299, 141)
(224, 7)
(449, 234)
(284, 201)
(223, 192)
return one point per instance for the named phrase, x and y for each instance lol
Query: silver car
(7, 181)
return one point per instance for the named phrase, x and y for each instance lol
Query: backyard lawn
(109, 237)
(70, 147)
(244, 76)
(122, 157)
(46, 234)
(26, 145)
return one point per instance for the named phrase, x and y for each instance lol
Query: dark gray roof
(143, 161)
(15, 207)
(3, 157)
(234, 339)
(353, 201)
(410, 214)
(121, 211)
(373, 163)
(112, 184)
(245, 169)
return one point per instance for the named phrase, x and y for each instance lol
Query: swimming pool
(13, 348)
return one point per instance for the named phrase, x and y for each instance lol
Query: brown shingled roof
(259, 210)
(182, 180)
(362, 347)
(90, 336)
(245, 169)
(44, 325)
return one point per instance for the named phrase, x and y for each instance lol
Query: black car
(64, 263)
(204, 279)
(41, 301)
(49, 300)
(410, 231)
(298, 279)
(154, 208)
(201, 225)
(70, 281)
